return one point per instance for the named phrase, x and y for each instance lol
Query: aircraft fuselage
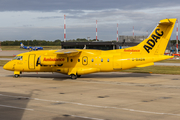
(88, 61)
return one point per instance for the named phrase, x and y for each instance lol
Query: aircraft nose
(7, 66)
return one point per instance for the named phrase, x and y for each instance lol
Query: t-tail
(156, 43)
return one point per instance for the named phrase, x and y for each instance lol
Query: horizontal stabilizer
(162, 57)
(165, 21)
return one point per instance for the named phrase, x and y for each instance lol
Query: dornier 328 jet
(77, 62)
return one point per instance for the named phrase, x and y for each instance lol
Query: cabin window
(107, 60)
(78, 60)
(84, 60)
(92, 60)
(101, 60)
(18, 58)
(71, 60)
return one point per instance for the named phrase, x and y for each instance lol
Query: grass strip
(7, 56)
(170, 61)
(3, 62)
(175, 70)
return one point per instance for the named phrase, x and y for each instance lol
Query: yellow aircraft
(77, 62)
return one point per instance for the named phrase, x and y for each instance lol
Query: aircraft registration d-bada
(77, 62)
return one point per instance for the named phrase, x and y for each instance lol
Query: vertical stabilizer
(21, 45)
(157, 42)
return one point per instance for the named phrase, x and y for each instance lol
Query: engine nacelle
(52, 60)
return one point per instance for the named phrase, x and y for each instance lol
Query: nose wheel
(16, 75)
(73, 76)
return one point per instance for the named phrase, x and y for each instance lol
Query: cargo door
(32, 61)
(117, 64)
(85, 60)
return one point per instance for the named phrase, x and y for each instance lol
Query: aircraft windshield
(18, 58)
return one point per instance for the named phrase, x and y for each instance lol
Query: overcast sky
(44, 19)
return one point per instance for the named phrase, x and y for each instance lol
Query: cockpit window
(18, 58)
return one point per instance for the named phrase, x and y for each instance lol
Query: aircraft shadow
(62, 77)
(116, 75)
(10, 107)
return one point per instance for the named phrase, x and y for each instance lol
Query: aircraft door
(85, 60)
(31, 61)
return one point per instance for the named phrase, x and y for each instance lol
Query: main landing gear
(73, 76)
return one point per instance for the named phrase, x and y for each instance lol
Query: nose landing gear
(16, 75)
(73, 76)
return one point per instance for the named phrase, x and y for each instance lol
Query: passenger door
(31, 61)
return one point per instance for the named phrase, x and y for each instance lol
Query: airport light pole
(96, 30)
(64, 28)
(177, 36)
(117, 33)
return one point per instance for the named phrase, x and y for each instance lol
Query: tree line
(41, 42)
(31, 43)
(50, 43)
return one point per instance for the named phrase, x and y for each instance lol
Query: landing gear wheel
(16, 76)
(78, 76)
(73, 76)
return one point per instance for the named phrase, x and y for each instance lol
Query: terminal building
(124, 42)
(96, 45)
(132, 39)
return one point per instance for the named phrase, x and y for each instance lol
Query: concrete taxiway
(12, 52)
(99, 96)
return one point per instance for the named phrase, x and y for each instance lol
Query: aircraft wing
(68, 52)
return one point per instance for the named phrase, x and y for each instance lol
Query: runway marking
(96, 106)
(86, 117)
(16, 107)
(70, 115)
